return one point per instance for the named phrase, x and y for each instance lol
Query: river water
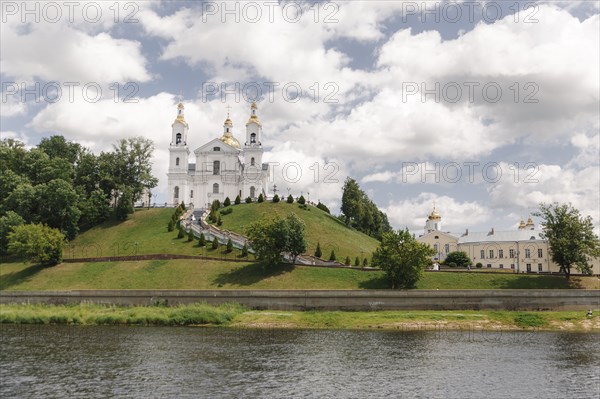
(168, 362)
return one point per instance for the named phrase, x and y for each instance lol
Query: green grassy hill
(320, 227)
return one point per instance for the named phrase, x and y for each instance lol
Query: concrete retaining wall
(328, 299)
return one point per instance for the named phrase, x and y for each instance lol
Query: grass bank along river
(233, 315)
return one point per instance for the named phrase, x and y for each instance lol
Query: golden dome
(529, 222)
(253, 106)
(434, 215)
(253, 119)
(522, 224)
(228, 139)
(180, 105)
(228, 122)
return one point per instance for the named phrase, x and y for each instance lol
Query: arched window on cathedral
(216, 188)
(176, 192)
(216, 168)
(176, 161)
(252, 192)
(178, 138)
(252, 161)
(191, 193)
(253, 138)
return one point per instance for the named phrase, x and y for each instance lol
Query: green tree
(171, 225)
(570, 236)
(365, 262)
(460, 258)
(238, 200)
(227, 202)
(302, 200)
(95, 209)
(215, 243)
(296, 243)
(351, 200)
(261, 198)
(275, 198)
(202, 240)
(244, 250)
(357, 261)
(290, 199)
(402, 258)
(58, 206)
(323, 207)
(7, 224)
(190, 234)
(248, 200)
(37, 243)
(347, 261)
(132, 166)
(332, 256)
(229, 245)
(124, 204)
(180, 231)
(318, 252)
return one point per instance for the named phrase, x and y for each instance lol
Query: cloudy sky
(485, 107)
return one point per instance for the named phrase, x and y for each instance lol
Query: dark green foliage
(302, 200)
(201, 240)
(124, 204)
(318, 252)
(452, 264)
(171, 225)
(215, 243)
(332, 255)
(181, 232)
(357, 261)
(190, 235)
(362, 213)
(479, 265)
(229, 245)
(219, 221)
(323, 207)
(260, 198)
(570, 236)
(365, 262)
(37, 243)
(227, 202)
(304, 207)
(459, 258)
(402, 258)
(248, 200)
(272, 237)
(215, 206)
(244, 250)
(238, 200)
(182, 206)
(226, 211)
(95, 209)
(347, 261)
(7, 224)
(290, 199)
(276, 198)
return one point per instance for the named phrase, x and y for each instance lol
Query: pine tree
(171, 225)
(248, 200)
(261, 198)
(215, 243)
(347, 261)
(332, 256)
(238, 200)
(318, 252)
(357, 261)
(275, 198)
(201, 240)
(290, 199)
(190, 235)
(219, 221)
(229, 245)
(245, 250)
(181, 232)
(365, 262)
(302, 200)
(227, 202)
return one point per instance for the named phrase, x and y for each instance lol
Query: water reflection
(60, 361)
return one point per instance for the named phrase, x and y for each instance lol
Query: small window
(253, 138)
(511, 253)
(528, 253)
(482, 254)
(178, 138)
(501, 253)
(216, 148)
(491, 254)
(501, 266)
(512, 266)
(252, 161)
(436, 237)
(540, 253)
(176, 161)
(216, 168)
(529, 268)
(489, 265)
(539, 267)
(435, 247)
(252, 192)
(447, 248)
(176, 192)
(216, 188)
(191, 193)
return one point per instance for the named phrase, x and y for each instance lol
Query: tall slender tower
(178, 159)
(253, 150)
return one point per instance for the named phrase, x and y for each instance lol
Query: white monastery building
(522, 250)
(222, 167)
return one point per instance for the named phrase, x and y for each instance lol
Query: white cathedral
(223, 168)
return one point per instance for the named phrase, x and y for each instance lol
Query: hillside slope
(320, 227)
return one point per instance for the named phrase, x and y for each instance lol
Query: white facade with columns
(222, 168)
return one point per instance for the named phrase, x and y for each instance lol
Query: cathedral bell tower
(178, 158)
(253, 150)
(434, 222)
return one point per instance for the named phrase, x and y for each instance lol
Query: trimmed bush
(171, 225)
(479, 265)
(347, 261)
(229, 245)
(226, 211)
(219, 221)
(290, 199)
(201, 240)
(227, 202)
(276, 199)
(332, 255)
(301, 200)
(238, 200)
(322, 207)
(357, 261)
(318, 252)
(190, 235)
(245, 250)
(365, 262)
(215, 243)
(248, 200)
(181, 232)
(261, 198)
